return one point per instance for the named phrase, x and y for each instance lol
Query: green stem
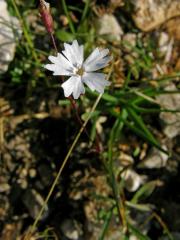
(28, 236)
(25, 31)
(68, 16)
(119, 203)
(85, 10)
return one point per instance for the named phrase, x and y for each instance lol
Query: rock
(46, 174)
(71, 229)
(116, 3)
(149, 14)
(9, 32)
(155, 159)
(11, 231)
(170, 121)
(163, 42)
(99, 122)
(132, 180)
(166, 45)
(33, 202)
(133, 237)
(32, 173)
(108, 26)
(4, 207)
(173, 28)
(125, 159)
(4, 187)
(129, 40)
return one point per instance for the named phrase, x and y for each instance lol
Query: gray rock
(149, 14)
(170, 121)
(4, 207)
(46, 174)
(4, 187)
(71, 229)
(108, 26)
(33, 202)
(155, 159)
(132, 180)
(9, 33)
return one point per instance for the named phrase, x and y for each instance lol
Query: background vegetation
(121, 181)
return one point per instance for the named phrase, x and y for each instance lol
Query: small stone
(173, 28)
(4, 187)
(9, 32)
(170, 121)
(163, 42)
(4, 207)
(32, 173)
(46, 174)
(125, 159)
(34, 202)
(133, 237)
(155, 159)
(108, 26)
(23, 173)
(23, 183)
(129, 40)
(11, 231)
(132, 180)
(71, 229)
(99, 123)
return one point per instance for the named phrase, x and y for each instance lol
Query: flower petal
(97, 60)
(74, 53)
(95, 81)
(73, 86)
(60, 65)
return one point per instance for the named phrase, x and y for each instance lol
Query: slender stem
(115, 187)
(1, 134)
(73, 103)
(85, 10)
(25, 31)
(68, 16)
(54, 43)
(28, 236)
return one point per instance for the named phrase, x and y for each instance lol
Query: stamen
(80, 71)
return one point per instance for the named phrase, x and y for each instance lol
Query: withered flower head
(44, 9)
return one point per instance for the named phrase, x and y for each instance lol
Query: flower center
(80, 71)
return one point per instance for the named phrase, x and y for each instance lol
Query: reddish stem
(54, 43)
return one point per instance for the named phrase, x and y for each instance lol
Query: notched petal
(73, 86)
(96, 81)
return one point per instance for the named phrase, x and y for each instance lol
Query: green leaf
(140, 123)
(107, 97)
(137, 233)
(64, 36)
(145, 191)
(106, 224)
(138, 131)
(141, 207)
(64, 102)
(85, 115)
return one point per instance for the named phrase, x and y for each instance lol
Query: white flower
(71, 63)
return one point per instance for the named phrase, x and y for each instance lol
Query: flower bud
(44, 9)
